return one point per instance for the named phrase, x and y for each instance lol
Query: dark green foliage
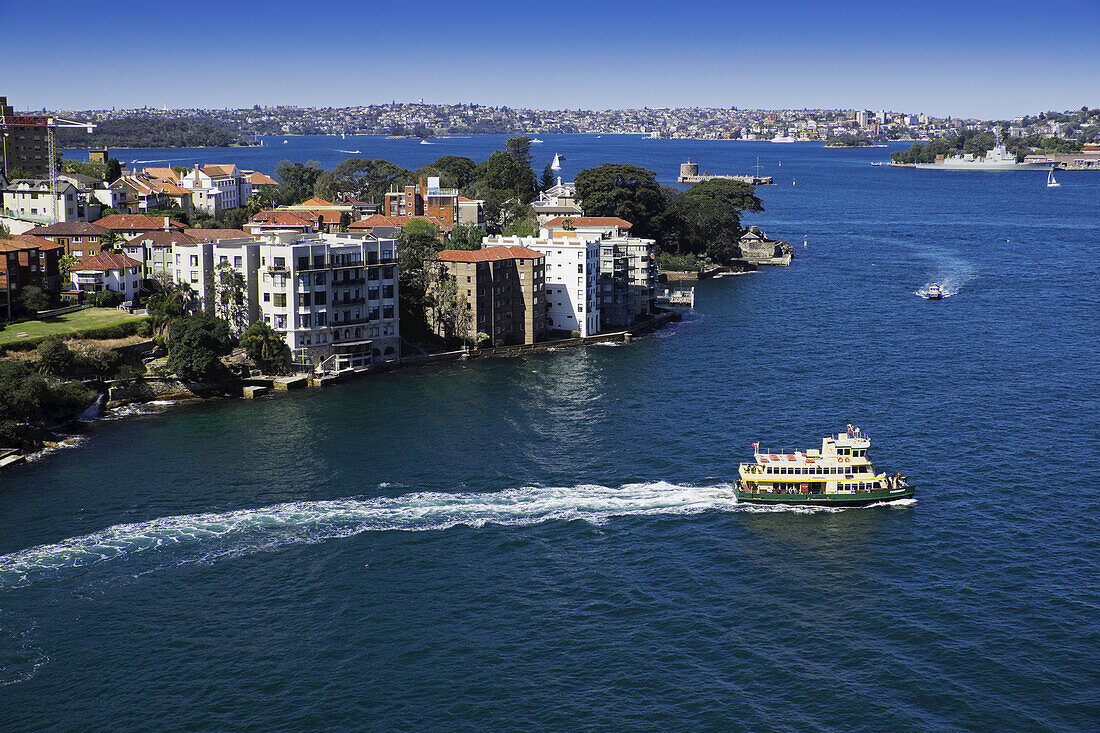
(195, 345)
(465, 236)
(547, 180)
(847, 140)
(114, 170)
(54, 357)
(265, 346)
(235, 218)
(34, 299)
(625, 191)
(345, 221)
(365, 178)
(296, 181)
(519, 148)
(455, 171)
(148, 132)
(104, 299)
(26, 397)
(706, 219)
(417, 244)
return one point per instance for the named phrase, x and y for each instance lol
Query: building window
(280, 300)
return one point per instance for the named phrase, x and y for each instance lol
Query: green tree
(519, 147)
(547, 181)
(66, 264)
(466, 237)
(54, 357)
(325, 186)
(417, 245)
(113, 170)
(706, 219)
(111, 240)
(345, 221)
(229, 292)
(235, 218)
(34, 299)
(456, 171)
(625, 191)
(296, 181)
(264, 346)
(195, 345)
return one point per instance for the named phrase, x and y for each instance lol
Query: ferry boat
(935, 292)
(838, 475)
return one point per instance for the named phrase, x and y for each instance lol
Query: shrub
(54, 357)
(195, 345)
(264, 345)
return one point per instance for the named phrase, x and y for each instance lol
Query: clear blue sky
(963, 58)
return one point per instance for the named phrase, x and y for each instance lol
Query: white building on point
(333, 297)
(107, 271)
(571, 275)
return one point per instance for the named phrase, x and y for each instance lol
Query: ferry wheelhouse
(839, 474)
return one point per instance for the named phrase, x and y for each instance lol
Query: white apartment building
(196, 263)
(30, 199)
(333, 297)
(217, 188)
(571, 276)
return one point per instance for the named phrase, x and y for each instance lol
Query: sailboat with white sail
(1051, 183)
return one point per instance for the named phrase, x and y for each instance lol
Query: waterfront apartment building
(571, 271)
(628, 281)
(593, 226)
(196, 262)
(504, 287)
(333, 297)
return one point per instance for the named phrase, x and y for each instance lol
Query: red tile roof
(162, 173)
(283, 218)
(106, 261)
(316, 201)
(136, 221)
(68, 229)
(489, 254)
(591, 221)
(259, 179)
(162, 238)
(397, 222)
(21, 242)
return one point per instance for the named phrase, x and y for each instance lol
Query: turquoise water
(551, 542)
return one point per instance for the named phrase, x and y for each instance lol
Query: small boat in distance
(935, 292)
(536, 141)
(840, 474)
(876, 163)
(1051, 183)
(556, 165)
(284, 142)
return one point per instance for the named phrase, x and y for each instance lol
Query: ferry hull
(829, 500)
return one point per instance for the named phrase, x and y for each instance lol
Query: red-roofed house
(26, 260)
(78, 238)
(281, 220)
(504, 289)
(600, 226)
(108, 271)
(390, 226)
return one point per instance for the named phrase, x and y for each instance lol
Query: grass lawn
(68, 323)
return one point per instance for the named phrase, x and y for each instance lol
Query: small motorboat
(935, 292)
(876, 163)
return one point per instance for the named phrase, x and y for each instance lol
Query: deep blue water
(550, 543)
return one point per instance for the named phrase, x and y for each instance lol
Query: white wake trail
(316, 521)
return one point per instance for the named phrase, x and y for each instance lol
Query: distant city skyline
(982, 59)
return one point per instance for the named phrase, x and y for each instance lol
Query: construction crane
(50, 124)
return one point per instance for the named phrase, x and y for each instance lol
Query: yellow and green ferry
(838, 475)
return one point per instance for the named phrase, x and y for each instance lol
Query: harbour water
(551, 542)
